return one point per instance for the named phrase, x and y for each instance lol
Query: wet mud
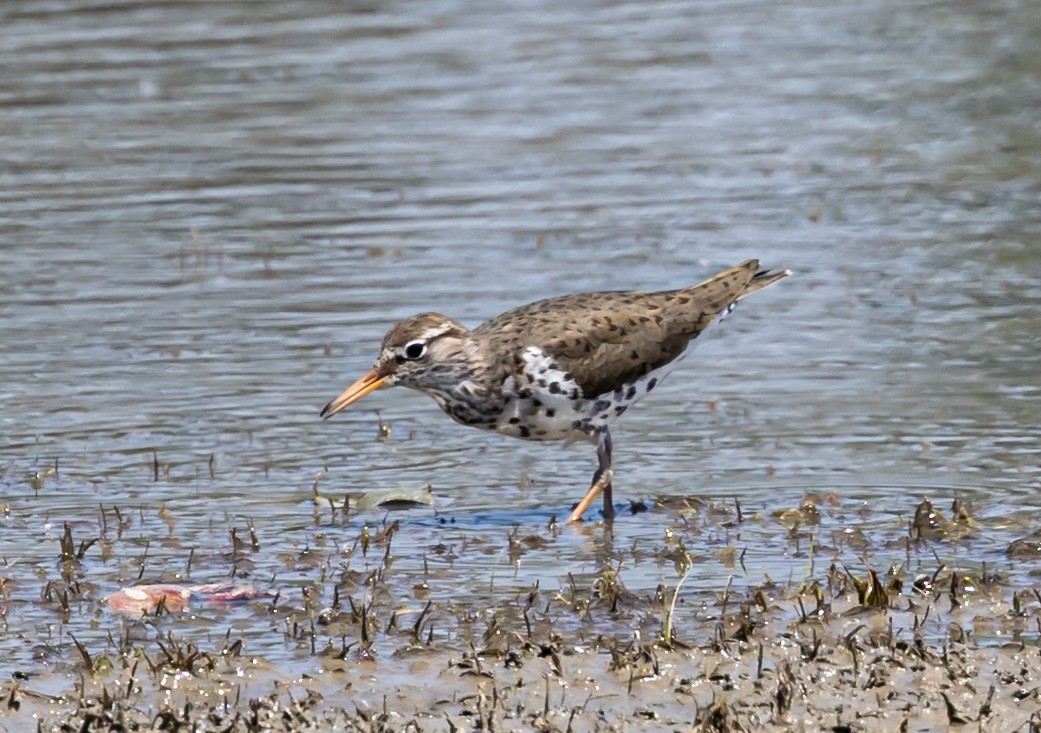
(408, 621)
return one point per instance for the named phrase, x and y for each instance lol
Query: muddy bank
(912, 644)
(795, 683)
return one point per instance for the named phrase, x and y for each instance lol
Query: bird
(560, 369)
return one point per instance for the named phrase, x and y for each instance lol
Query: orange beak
(370, 382)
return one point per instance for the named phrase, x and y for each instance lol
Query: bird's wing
(606, 340)
(620, 341)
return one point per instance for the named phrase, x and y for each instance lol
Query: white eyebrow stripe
(433, 332)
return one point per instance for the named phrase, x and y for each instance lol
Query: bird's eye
(415, 350)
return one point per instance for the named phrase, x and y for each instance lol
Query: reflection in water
(210, 214)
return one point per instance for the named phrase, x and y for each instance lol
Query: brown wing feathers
(635, 334)
(609, 339)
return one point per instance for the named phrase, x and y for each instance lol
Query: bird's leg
(601, 482)
(604, 472)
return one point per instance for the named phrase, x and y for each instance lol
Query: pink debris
(144, 599)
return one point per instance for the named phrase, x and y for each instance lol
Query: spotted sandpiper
(560, 369)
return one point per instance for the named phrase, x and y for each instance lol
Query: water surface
(209, 215)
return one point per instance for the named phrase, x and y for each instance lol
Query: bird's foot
(602, 483)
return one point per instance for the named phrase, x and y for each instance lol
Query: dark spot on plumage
(601, 405)
(524, 394)
(540, 432)
(550, 412)
(576, 424)
(588, 347)
(634, 355)
(530, 378)
(569, 377)
(620, 409)
(604, 416)
(574, 394)
(543, 383)
(536, 402)
(514, 420)
(650, 384)
(554, 388)
(631, 392)
(524, 432)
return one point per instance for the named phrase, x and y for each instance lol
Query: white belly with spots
(545, 403)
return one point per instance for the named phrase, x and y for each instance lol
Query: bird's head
(429, 352)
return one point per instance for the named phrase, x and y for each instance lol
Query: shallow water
(210, 214)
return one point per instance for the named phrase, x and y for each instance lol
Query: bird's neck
(459, 369)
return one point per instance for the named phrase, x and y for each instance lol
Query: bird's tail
(763, 279)
(735, 283)
(713, 300)
(716, 297)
